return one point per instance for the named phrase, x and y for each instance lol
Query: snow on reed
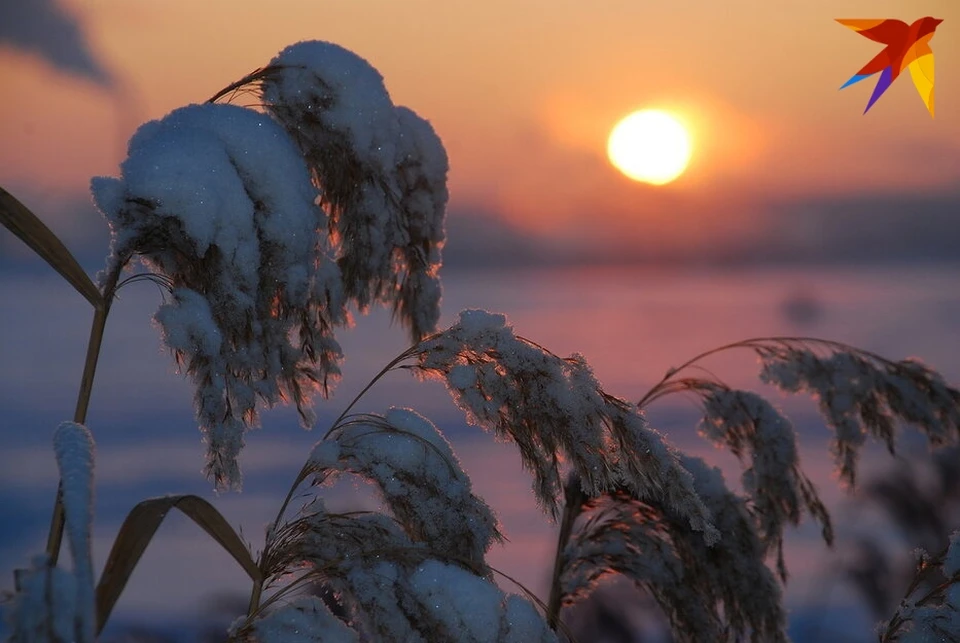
(760, 435)
(862, 394)
(218, 199)
(382, 170)
(392, 587)
(52, 604)
(302, 619)
(422, 175)
(713, 592)
(74, 449)
(417, 475)
(554, 410)
(266, 226)
(930, 611)
(44, 609)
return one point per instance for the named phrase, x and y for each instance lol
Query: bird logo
(907, 46)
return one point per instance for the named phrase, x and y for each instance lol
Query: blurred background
(798, 214)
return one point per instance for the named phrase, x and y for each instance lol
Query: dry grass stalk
(19, 220)
(138, 530)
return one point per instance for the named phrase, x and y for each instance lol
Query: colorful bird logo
(906, 46)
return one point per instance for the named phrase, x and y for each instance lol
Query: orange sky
(524, 94)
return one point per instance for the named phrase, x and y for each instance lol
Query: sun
(650, 146)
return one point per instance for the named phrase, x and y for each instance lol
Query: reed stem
(94, 344)
(573, 496)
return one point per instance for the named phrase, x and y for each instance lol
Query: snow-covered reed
(265, 226)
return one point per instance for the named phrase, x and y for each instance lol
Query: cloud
(47, 29)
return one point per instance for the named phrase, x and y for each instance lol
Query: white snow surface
(474, 609)
(227, 174)
(304, 619)
(555, 410)
(382, 171)
(74, 449)
(218, 198)
(344, 90)
(45, 608)
(419, 479)
(189, 325)
(422, 165)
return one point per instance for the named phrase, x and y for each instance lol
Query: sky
(524, 95)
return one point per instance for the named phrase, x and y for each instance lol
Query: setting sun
(650, 146)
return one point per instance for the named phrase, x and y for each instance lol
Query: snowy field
(631, 325)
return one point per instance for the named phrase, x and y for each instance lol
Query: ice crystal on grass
(217, 199)
(554, 409)
(417, 475)
(723, 592)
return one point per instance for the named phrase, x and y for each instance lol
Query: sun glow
(650, 146)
